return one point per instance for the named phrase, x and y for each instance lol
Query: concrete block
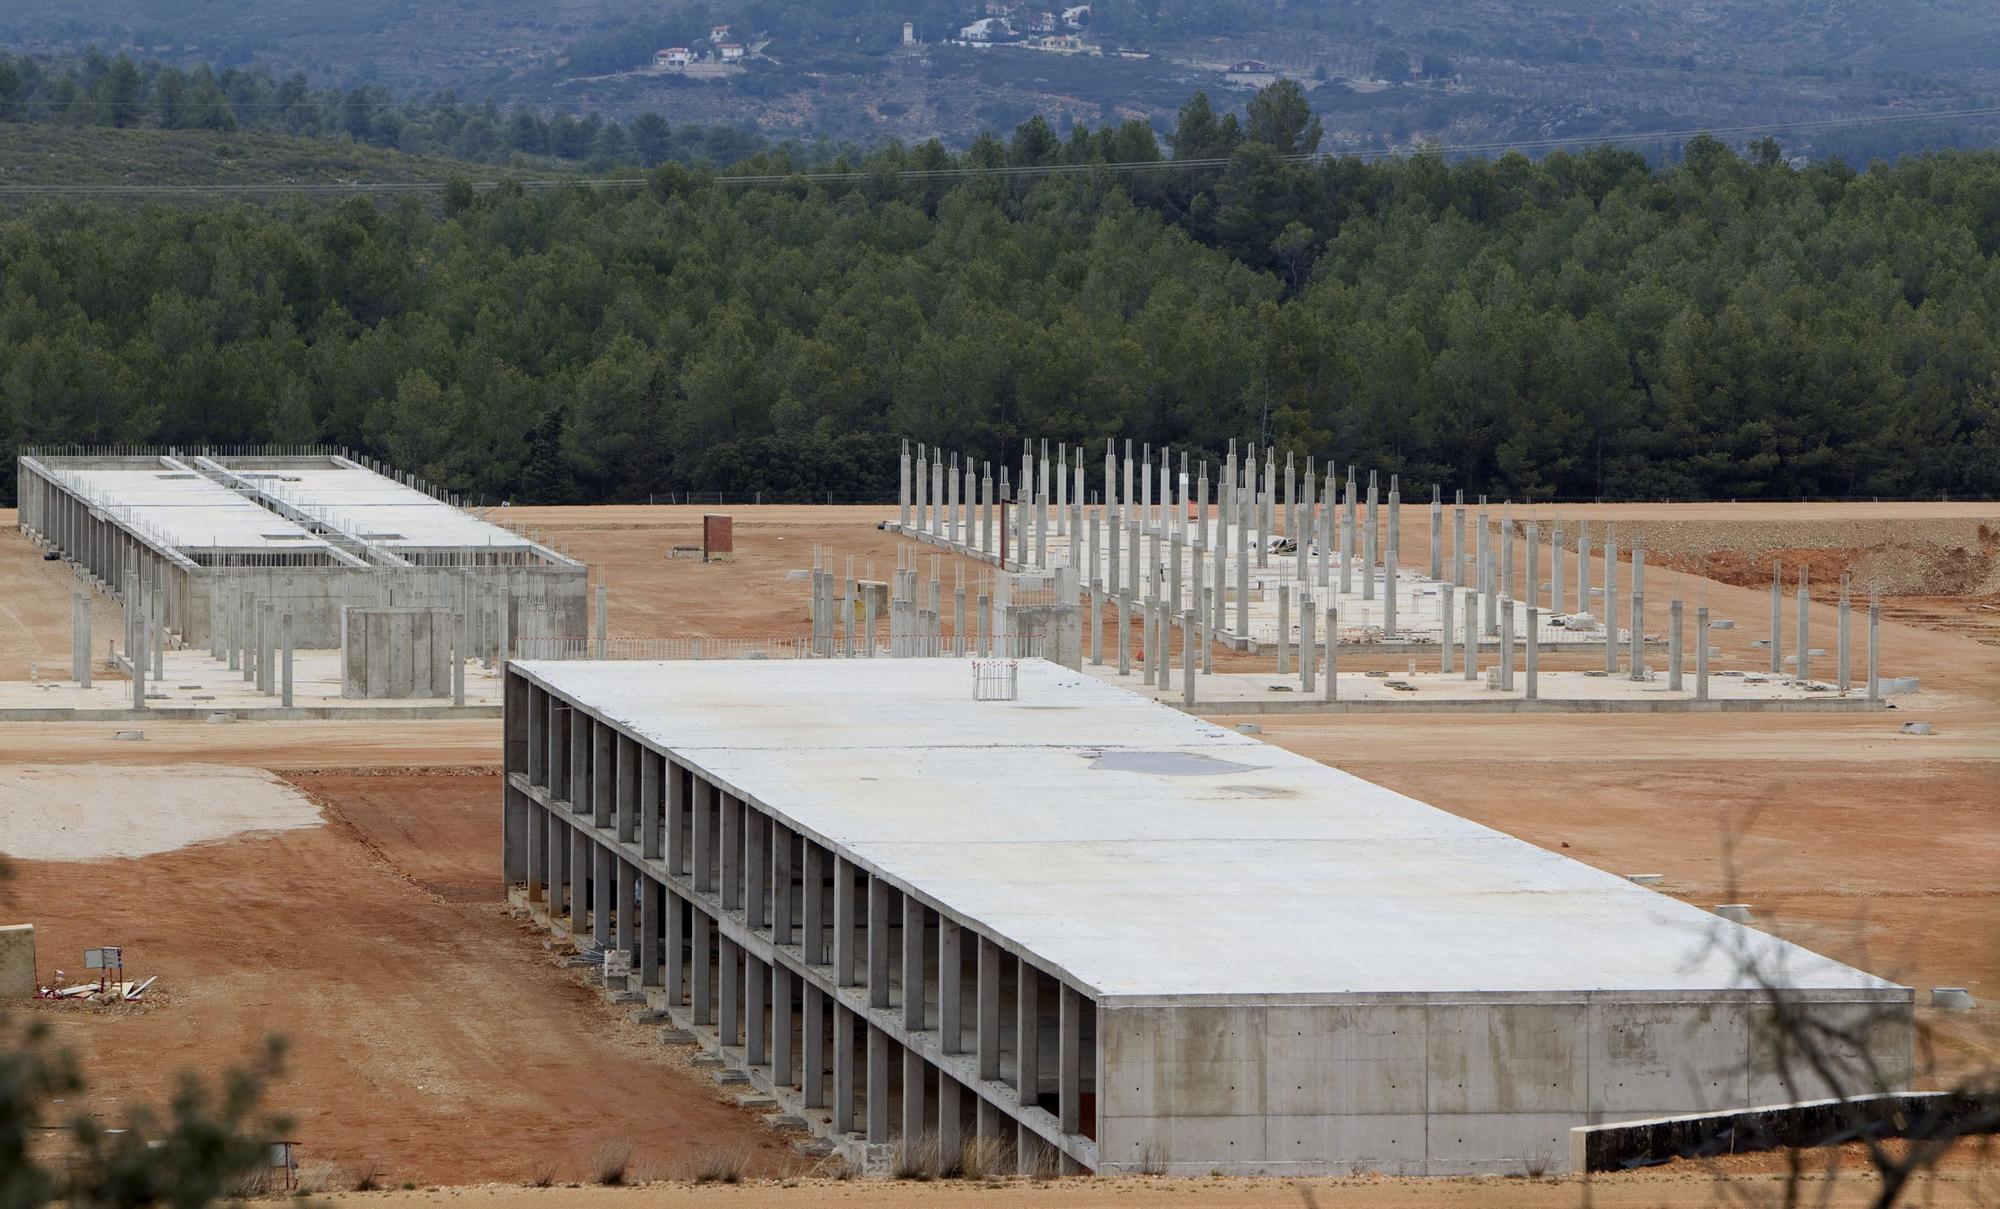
(17, 961)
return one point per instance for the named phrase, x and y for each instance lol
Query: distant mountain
(1381, 73)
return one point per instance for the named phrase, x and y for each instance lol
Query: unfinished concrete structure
(1114, 937)
(215, 537)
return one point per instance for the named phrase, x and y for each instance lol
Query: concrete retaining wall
(1440, 1086)
(1778, 1126)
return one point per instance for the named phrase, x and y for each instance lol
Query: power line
(997, 172)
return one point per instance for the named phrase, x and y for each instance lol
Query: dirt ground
(1678, 1187)
(438, 1040)
(431, 1036)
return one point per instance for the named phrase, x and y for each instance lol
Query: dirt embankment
(1906, 557)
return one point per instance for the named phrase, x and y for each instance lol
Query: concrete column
(79, 639)
(1507, 645)
(1368, 537)
(812, 891)
(1610, 602)
(903, 495)
(625, 910)
(1674, 646)
(843, 1069)
(1840, 672)
(878, 1086)
(757, 867)
(1332, 654)
(581, 867)
(1701, 654)
(458, 655)
(672, 956)
(1472, 634)
(1777, 617)
(915, 1122)
(1874, 649)
(1458, 542)
(1069, 1064)
(1534, 562)
(1284, 629)
(781, 865)
(1556, 572)
(812, 1037)
(136, 644)
(1190, 624)
(949, 1141)
(1027, 1034)
(878, 942)
(1437, 532)
(731, 888)
(554, 844)
(1243, 585)
(650, 894)
(285, 638)
(951, 985)
(1124, 631)
(267, 632)
(756, 984)
(781, 1027)
(846, 928)
(1095, 600)
(1583, 604)
(602, 880)
(698, 962)
(603, 618)
(1637, 658)
(986, 1009)
(1533, 653)
(728, 991)
(1389, 574)
(1802, 662)
(913, 964)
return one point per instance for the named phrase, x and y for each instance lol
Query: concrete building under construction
(304, 532)
(1110, 936)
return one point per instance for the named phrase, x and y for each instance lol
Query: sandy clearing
(74, 812)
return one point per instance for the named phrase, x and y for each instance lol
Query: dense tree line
(96, 90)
(1581, 326)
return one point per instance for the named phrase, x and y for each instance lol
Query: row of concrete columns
(827, 980)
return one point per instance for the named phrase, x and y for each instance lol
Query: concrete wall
(397, 653)
(1437, 1087)
(17, 961)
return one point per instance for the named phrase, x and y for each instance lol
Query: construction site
(1211, 824)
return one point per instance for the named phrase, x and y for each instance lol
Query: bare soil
(432, 1037)
(1680, 1186)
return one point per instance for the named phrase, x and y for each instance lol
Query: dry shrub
(982, 1158)
(317, 1177)
(721, 1167)
(614, 1160)
(915, 1159)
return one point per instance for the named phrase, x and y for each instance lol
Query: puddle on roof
(1167, 763)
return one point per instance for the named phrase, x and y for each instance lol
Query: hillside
(35, 155)
(1384, 73)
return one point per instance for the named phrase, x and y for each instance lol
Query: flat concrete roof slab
(188, 511)
(1278, 877)
(379, 508)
